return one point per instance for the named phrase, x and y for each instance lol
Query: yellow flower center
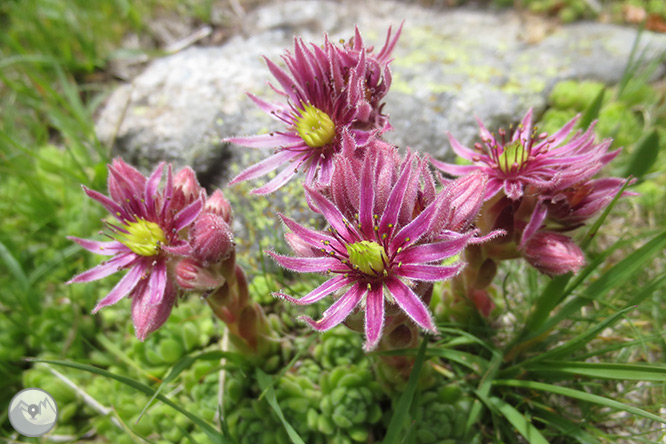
(143, 237)
(315, 127)
(368, 257)
(513, 154)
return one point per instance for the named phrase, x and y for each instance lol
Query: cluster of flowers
(392, 231)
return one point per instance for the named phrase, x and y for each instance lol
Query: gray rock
(450, 65)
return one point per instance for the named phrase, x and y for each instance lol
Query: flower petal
(147, 317)
(454, 170)
(374, 316)
(428, 273)
(339, 311)
(332, 214)
(98, 247)
(157, 283)
(538, 216)
(187, 215)
(307, 264)
(436, 251)
(283, 177)
(116, 210)
(312, 237)
(396, 198)
(123, 287)
(461, 150)
(367, 196)
(410, 303)
(265, 166)
(320, 292)
(150, 191)
(106, 268)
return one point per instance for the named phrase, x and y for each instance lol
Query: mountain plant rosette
(392, 233)
(330, 90)
(388, 231)
(146, 238)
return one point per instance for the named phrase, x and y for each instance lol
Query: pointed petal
(270, 140)
(167, 195)
(374, 316)
(562, 134)
(434, 252)
(454, 170)
(461, 150)
(105, 269)
(123, 287)
(187, 215)
(150, 191)
(148, 317)
(320, 292)
(157, 283)
(340, 309)
(537, 218)
(396, 198)
(265, 166)
(312, 237)
(332, 214)
(428, 273)
(307, 264)
(283, 177)
(410, 303)
(102, 248)
(367, 196)
(116, 210)
(288, 85)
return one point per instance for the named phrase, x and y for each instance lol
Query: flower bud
(217, 204)
(553, 253)
(149, 317)
(186, 188)
(191, 275)
(211, 238)
(462, 201)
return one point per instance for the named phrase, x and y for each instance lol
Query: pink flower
(388, 231)
(146, 237)
(329, 90)
(524, 158)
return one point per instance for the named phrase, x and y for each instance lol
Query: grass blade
(592, 111)
(482, 392)
(522, 424)
(628, 372)
(266, 385)
(644, 156)
(401, 412)
(185, 363)
(581, 396)
(566, 427)
(208, 429)
(577, 342)
(14, 267)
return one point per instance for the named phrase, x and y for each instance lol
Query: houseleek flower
(328, 90)
(389, 230)
(147, 235)
(525, 158)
